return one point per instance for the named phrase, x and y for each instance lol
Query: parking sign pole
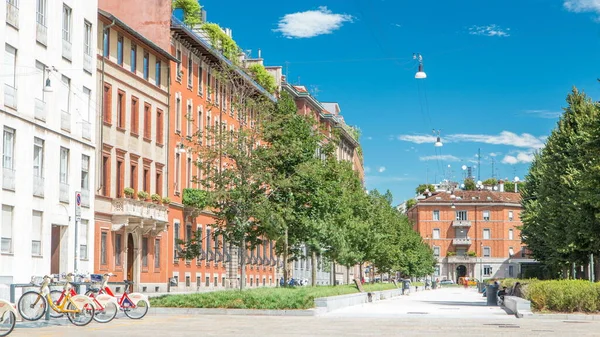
(77, 219)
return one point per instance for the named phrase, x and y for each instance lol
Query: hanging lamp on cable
(438, 141)
(420, 74)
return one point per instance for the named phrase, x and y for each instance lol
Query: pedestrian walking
(405, 286)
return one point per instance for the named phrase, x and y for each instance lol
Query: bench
(518, 306)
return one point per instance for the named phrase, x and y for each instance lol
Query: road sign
(77, 205)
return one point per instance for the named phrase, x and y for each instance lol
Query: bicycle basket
(95, 278)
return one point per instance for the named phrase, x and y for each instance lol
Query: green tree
(490, 182)
(469, 184)
(424, 187)
(410, 203)
(192, 11)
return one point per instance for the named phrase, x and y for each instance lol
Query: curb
(566, 317)
(232, 312)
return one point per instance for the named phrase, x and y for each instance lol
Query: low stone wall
(518, 306)
(327, 304)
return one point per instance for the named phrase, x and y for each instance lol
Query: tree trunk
(347, 275)
(333, 273)
(285, 259)
(243, 263)
(360, 272)
(314, 268)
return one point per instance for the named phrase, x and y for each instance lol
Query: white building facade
(48, 118)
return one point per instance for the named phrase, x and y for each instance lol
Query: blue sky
(498, 72)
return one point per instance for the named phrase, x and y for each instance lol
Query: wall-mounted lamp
(48, 86)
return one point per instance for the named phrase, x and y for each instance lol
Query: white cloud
(545, 113)
(522, 157)
(579, 6)
(489, 30)
(494, 154)
(311, 23)
(525, 140)
(445, 157)
(367, 169)
(418, 139)
(381, 169)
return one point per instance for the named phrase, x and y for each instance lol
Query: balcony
(12, 13)
(10, 96)
(87, 63)
(67, 49)
(40, 110)
(8, 179)
(38, 186)
(461, 223)
(462, 259)
(149, 217)
(65, 121)
(41, 34)
(85, 198)
(86, 130)
(63, 195)
(461, 241)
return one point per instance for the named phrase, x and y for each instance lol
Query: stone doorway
(461, 271)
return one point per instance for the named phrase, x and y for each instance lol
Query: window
(65, 97)
(84, 227)
(437, 270)
(38, 157)
(85, 116)
(189, 173)
(158, 186)
(177, 172)
(175, 239)
(190, 119)
(436, 251)
(64, 165)
(486, 234)
(157, 253)
(66, 26)
(144, 252)
(120, 177)
(510, 234)
(510, 216)
(8, 149)
(120, 50)
(436, 233)
(146, 65)
(200, 75)
(178, 66)
(133, 58)
(147, 122)
(178, 113)
(135, 116)
(159, 126)
(436, 215)
(522, 251)
(87, 38)
(487, 252)
(6, 243)
(133, 175)
(188, 232)
(157, 71)
(41, 12)
(461, 215)
(118, 247)
(9, 71)
(85, 173)
(40, 82)
(486, 215)
(106, 43)
(208, 85)
(146, 179)
(103, 248)
(107, 104)
(36, 233)
(207, 281)
(511, 271)
(106, 175)
(190, 70)
(208, 245)
(121, 109)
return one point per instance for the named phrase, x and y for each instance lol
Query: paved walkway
(440, 303)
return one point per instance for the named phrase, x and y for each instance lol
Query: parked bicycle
(8, 318)
(134, 305)
(79, 308)
(106, 306)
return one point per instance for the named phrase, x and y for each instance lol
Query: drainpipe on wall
(101, 122)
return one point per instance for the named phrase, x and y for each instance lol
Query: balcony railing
(461, 223)
(38, 186)
(64, 193)
(8, 179)
(139, 209)
(85, 198)
(462, 259)
(86, 130)
(41, 34)
(10, 96)
(40, 110)
(12, 13)
(87, 63)
(65, 120)
(461, 241)
(67, 49)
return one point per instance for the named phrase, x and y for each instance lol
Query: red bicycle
(134, 305)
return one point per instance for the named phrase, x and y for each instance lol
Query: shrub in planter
(451, 254)
(156, 198)
(128, 192)
(143, 195)
(166, 200)
(564, 295)
(471, 253)
(194, 197)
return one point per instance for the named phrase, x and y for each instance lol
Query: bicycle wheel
(32, 305)
(55, 296)
(106, 313)
(81, 317)
(138, 311)
(7, 323)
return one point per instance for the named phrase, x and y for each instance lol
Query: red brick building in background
(472, 233)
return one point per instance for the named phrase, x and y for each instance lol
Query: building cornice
(458, 204)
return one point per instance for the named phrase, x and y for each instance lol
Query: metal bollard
(492, 294)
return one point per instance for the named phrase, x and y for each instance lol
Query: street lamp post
(481, 262)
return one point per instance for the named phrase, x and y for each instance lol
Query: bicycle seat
(94, 289)
(128, 282)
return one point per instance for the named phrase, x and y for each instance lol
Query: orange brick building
(472, 233)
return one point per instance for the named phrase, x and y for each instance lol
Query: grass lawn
(261, 298)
